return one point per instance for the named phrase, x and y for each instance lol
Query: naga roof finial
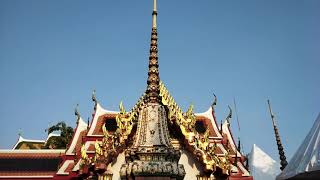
(214, 101)
(76, 112)
(229, 115)
(20, 132)
(88, 125)
(153, 88)
(94, 98)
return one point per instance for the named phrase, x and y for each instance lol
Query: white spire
(154, 5)
(154, 14)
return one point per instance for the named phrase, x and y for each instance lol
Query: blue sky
(54, 53)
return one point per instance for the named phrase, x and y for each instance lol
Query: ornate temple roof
(148, 140)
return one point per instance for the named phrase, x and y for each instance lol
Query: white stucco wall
(115, 167)
(191, 166)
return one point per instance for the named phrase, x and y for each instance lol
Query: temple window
(111, 125)
(200, 127)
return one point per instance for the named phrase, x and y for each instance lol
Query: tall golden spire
(153, 73)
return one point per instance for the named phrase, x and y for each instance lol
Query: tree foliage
(59, 142)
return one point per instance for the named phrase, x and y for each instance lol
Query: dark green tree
(59, 142)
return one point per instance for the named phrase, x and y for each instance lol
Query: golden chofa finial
(121, 108)
(190, 110)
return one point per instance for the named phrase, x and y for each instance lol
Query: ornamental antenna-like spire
(76, 113)
(214, 103)
(283, 161)
(229, 115)
(93, 97)
(154, 14)
(153, 73)
(20, 132)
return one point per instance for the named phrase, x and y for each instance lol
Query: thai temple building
(153, 140)
(23, 143)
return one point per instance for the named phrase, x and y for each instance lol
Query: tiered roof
(93, 134)
(32, 164)
(69, 165)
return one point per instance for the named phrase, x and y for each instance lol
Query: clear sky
(54, 53)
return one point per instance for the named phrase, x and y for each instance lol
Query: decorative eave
(238, 169)
(73, 150)
(227, 132)
(32, 153)
(88, 145)
(244, 171)
(77, 166)
(63, 170)
(224, 151)
(209, 114)
(22, 140)
(99, 111)
(82, 126)
(26, 175)
(51, 135)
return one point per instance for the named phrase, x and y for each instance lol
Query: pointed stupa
(152, 123)
(283, 159)
(261, 165)
(152, 154)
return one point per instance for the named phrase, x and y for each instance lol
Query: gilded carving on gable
(203, 149)
(153, 124)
